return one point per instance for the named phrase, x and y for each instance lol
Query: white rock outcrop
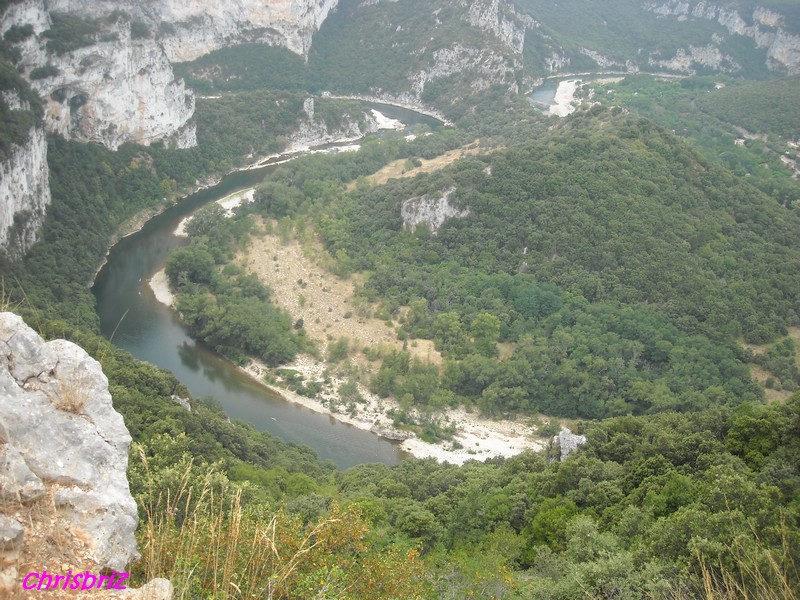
(489, 68)
(502, 20)
(24, 193)
(566, 442)
(60, 436)
(312, 132)
(193, 28)
(116, 90)
(431, 211)
(686, 60)
(122, 88)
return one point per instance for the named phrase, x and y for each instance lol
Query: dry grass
(758, 573)
(760, 375)
(71, 397)
(398, 169)
(303, 285)
(794, 334)
(209, 545)
(48, 544)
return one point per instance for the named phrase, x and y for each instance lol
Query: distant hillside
(611, 207)
(745, 37)
(771, 107)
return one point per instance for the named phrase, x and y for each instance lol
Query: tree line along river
(132, 317)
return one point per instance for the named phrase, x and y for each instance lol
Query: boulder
(61, 436)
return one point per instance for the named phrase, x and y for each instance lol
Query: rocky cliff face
(113, 90)
(24, 193)
(121, 87)
(63, 451)
(433, 212)
(502, 20)
(201, 27)
(765, 27)
(188, 29)
(687, 59)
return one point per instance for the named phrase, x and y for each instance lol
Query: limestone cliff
(312, 132)
(111, 89)
(433, 212)
(502, 20)
(63, 452)
(767, 29)
(686, 60)
(24, 193)
(118, 85)
(187, 29)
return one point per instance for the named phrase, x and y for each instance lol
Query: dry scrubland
(302, 286)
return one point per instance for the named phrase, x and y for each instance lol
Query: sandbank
(565, 94)
(479, 438)
(160, 286)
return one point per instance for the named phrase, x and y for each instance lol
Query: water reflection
(152, 332)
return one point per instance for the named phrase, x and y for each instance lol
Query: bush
(44, 72)
(139, 30)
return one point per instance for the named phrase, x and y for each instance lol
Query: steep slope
(734, 36)
(611, 207)
(105, 70)
(24, 176)
(102, 82)
(64, 450)
(440, 52)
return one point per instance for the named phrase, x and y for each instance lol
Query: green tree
(485, 333)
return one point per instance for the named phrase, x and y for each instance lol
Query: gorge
(617, 284)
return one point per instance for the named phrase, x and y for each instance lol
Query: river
(135, 321)
(543, 97)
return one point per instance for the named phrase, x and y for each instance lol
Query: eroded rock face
(196, 27)
(501, 20)
(765, 27)
(121, 88)
(431, 211)
(60, 435)
(567, 442)
(24, 191)
(686, 61)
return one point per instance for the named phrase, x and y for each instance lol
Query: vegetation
(227, 309)
(769, 108)
(350, 50)
(690, 108)
(350, 55)
(621, 29)
(18, 33)
(247, 67)
(15, 125)
(607, 270)
(672, 505)
(44, 72)
(603, 320)
(70, 32)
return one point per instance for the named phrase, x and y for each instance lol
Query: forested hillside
(630, 271)
(633, 35)
(767, 108)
